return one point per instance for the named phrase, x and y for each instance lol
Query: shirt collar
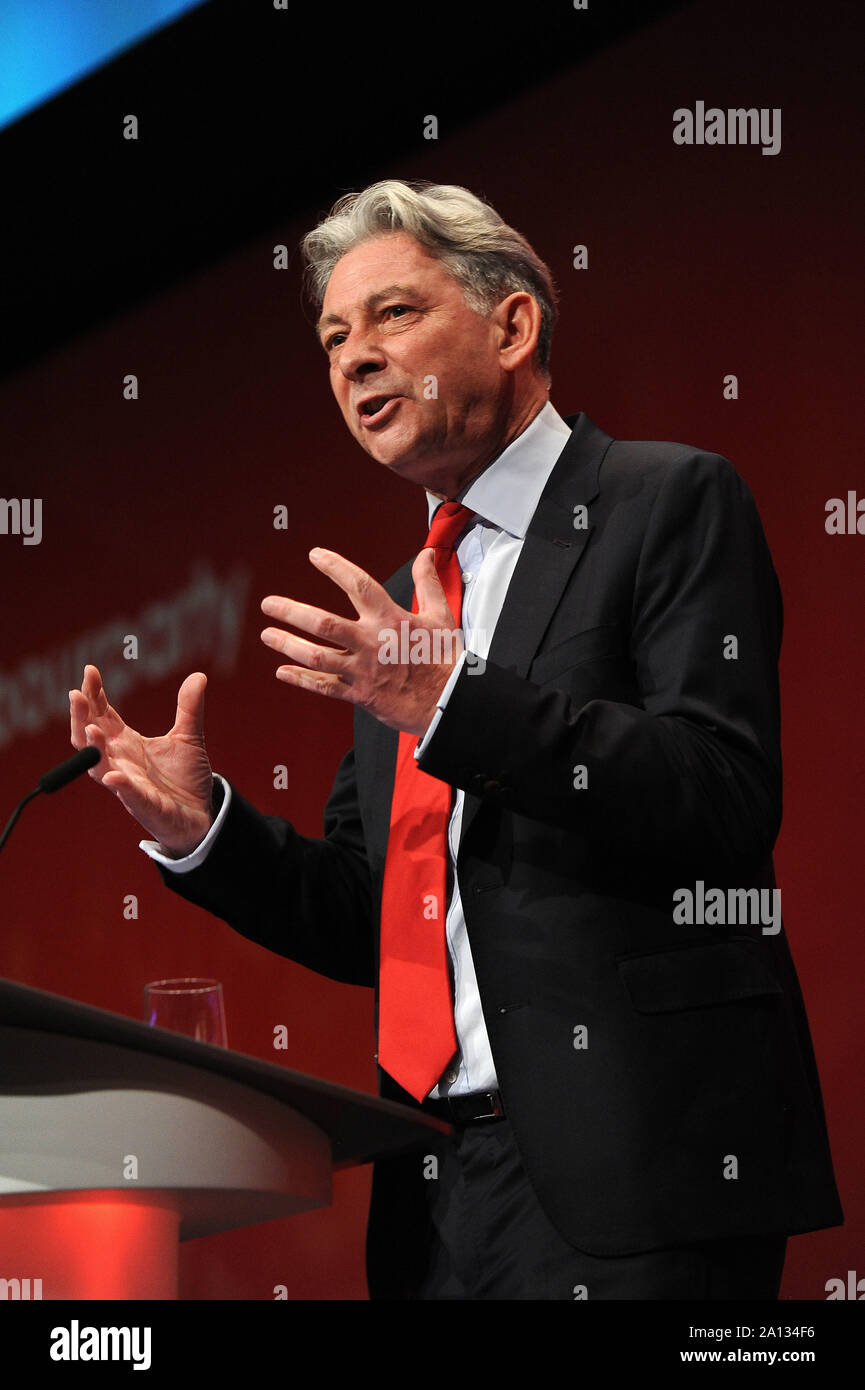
(507, 493)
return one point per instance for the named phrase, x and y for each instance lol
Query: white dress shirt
(504, 498)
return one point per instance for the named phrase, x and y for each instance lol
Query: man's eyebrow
(404, 291)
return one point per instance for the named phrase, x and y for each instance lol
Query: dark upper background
(155, 257)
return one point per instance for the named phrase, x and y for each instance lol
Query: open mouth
(377, 409)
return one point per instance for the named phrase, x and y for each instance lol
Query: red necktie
(416, 1036)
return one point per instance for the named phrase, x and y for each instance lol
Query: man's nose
(360, 356)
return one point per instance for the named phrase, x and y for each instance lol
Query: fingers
(368, 597)
(82, 706)
(90, 704)
(95, 738)
(315, 620)
(315, 658)
(317, 682)
(92, 687)
(79, 713)
(189, 719)
(85, 705)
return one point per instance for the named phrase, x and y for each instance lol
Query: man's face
(403, 344)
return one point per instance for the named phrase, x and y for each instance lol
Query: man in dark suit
(625, 1056)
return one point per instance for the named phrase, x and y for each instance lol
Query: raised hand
(166, 783)
(401, 690)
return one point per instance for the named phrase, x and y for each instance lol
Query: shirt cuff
(441, 702)
(200, 853)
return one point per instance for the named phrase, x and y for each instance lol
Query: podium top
(361, 1127)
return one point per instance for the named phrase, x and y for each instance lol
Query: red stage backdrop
(703, 262)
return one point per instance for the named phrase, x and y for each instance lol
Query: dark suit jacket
(693, 1111)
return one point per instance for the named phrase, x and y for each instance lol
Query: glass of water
(189, 1005)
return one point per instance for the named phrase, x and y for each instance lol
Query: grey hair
(487, 257)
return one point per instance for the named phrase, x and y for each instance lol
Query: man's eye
(335, 338)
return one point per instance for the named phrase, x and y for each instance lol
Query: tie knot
(449, 520)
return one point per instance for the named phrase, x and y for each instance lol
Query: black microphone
(66, 772)
(55, 779)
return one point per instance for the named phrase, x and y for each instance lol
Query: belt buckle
(496, 1112)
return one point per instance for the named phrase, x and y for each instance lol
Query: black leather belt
(464, 1110)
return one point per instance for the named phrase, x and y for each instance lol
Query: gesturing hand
(402, 693)
(165, 783)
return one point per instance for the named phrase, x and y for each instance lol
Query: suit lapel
(551, 552)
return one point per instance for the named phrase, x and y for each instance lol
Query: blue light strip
(46, 45)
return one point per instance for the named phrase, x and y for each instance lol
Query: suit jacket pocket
(692, 977)
(593, 644)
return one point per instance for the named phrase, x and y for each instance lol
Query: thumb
(431, 597)
(189, 719)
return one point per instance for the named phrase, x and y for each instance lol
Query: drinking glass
(189, 1005)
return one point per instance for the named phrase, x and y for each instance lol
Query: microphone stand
(52, 782)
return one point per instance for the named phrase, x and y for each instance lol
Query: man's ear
(517, 320)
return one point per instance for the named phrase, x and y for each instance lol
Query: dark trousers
(492, 1240)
